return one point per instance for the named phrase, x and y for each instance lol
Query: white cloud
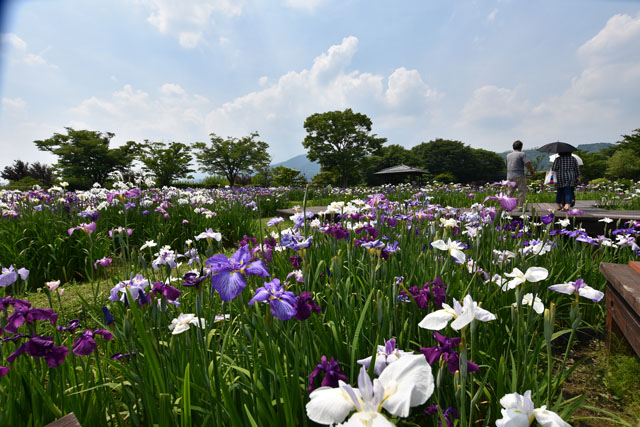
(617, 41)
(13, 105)
(492, 106)
(14, 41)
(492, 16)
(406, 89)
(306, 5)
(188, 19)
(169, 114)
(20, 53)
(278, 110)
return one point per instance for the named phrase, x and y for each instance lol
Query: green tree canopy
(386, 157)
(284, 176)
(16, 172)
(166, 162)
(339, 141)
(487, 165)
(624, 163)
(232, 157)
(84, 156)
(442, 156)
(630, 142)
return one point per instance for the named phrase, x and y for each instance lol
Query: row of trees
(340, 141)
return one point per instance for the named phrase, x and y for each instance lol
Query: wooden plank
(635, 265)
(622, 317)
(625, 281)
(68, 420)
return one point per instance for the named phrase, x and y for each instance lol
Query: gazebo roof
(400, 169)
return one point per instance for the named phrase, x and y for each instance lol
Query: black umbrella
(557, 147)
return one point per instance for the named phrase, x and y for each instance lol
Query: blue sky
(483, 72)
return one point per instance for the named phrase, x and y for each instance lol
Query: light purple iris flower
(385, 355)
(578, 287)
(228, 274)
(283, 303)
(507, 203)
(87, 228)
(102, 262)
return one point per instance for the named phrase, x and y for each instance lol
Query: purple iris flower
(102, 262)
(445, 352)
(295, 261)
(193, 279)
(547, 219)
(8, 276)
(332, 374)
(305, 305)
(228, 274)
(449, 415)
(73, 325)
(87, 228)
(85, 344)
(169, 292)
(17, 303)
(44, 347)
(28, 315)
(120, 356)
(108, 317)
(283, 303)
(4, 370)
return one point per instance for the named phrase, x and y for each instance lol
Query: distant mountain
(308, 168)
(544, 157)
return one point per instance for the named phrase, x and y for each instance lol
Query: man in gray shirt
(516, 163)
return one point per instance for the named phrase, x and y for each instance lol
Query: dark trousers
(564, 195)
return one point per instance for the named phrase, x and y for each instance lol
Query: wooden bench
(623, 302)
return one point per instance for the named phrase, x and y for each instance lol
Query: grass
(609, 379)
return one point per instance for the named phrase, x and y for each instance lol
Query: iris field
(412, 306)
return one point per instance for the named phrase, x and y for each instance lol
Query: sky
(482, 72)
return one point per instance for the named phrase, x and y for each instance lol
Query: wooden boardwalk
(589, 216)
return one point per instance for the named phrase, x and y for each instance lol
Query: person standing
(516, 162)
(567, 177)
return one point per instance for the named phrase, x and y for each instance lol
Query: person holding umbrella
(567, 177)
(516, 162)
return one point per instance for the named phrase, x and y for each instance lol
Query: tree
(166, 162)
(624, 163)
(388, 156)
(487, 165)
(232, 157)
(42, 172)
(339, 141)
(38, 172)
(630, 142)
(84, 156)
(284, 176)
(444, 156)
(18, 171)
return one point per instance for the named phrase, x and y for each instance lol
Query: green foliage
(386, 157)
(624, 163)
(232, 157)
(40, 173)
(24, 184)
(84, 156)
(284, 176)
(326, 178)
(339, 141)
(165, 162)
(445, 178)
(263, 177)
(466, 164)
(595, 165)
